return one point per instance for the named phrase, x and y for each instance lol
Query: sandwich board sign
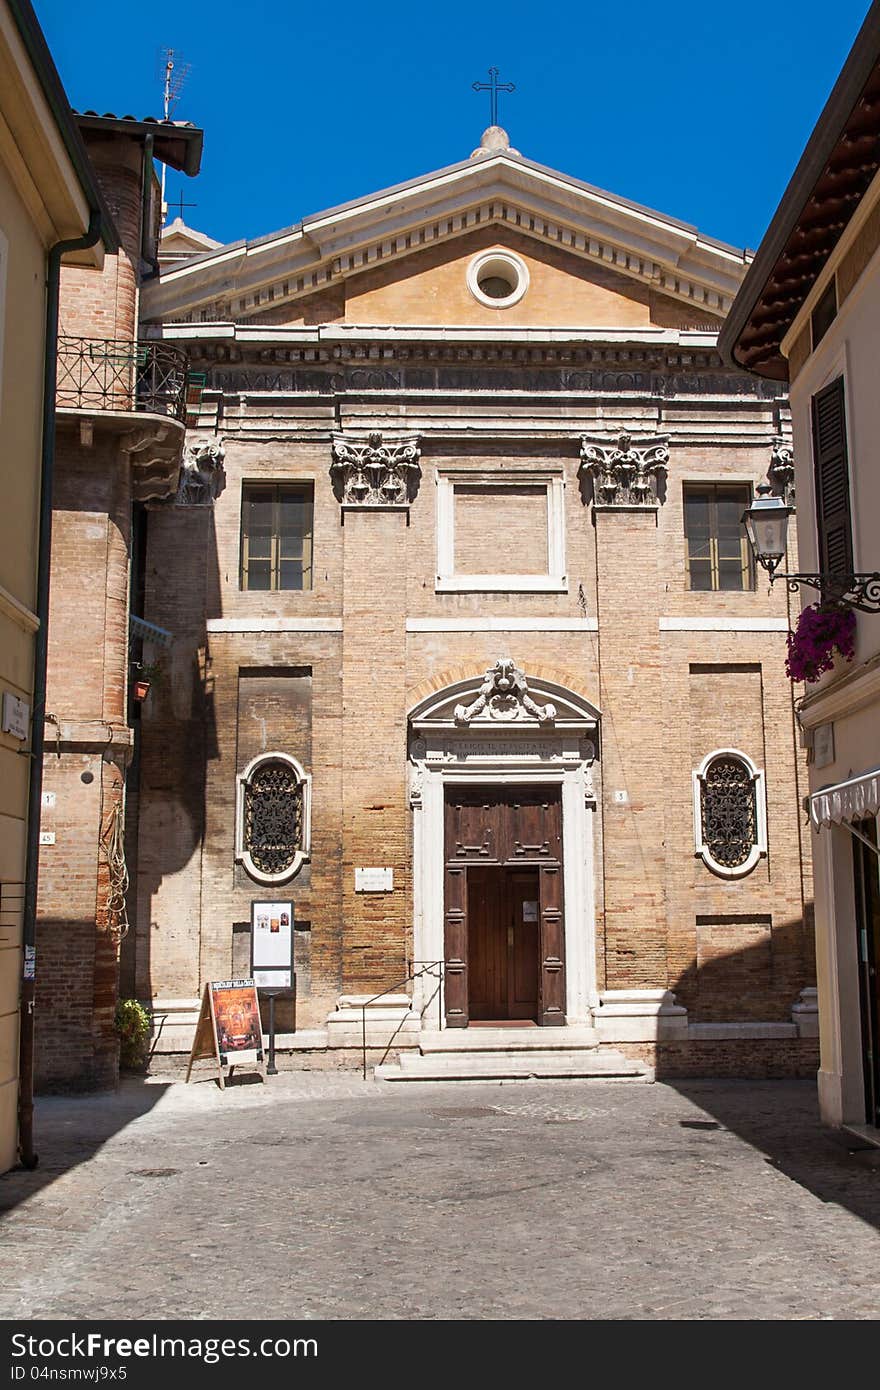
(229, 1028)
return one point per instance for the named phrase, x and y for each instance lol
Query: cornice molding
(846, 695)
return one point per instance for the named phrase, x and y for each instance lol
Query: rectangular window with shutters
(276, 536)
(833, 512)
(718, 554)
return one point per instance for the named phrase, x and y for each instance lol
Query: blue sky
(698, 110)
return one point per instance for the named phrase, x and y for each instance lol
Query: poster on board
(229, 1027)
(272, 944)
(237, 1020)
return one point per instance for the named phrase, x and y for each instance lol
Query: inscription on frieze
(512, 749)
(651, 382)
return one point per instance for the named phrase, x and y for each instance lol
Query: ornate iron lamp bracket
(861, 591)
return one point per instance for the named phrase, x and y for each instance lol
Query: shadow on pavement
(69, 1130)
(781, 1120)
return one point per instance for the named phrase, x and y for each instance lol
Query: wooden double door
(504, 927)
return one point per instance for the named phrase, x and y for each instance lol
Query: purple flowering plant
(822, 630)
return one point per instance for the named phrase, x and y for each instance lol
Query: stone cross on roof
(493, 87)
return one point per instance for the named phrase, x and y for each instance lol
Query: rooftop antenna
(174, 74)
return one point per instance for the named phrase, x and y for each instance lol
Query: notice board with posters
(229, 1027)
(272, 944)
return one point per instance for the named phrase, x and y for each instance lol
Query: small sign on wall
(16, 716)
(374, 880)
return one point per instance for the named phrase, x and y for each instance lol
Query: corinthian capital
(625, 474)
(375, 471)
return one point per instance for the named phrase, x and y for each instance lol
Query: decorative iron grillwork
(273, 817)
(106, 374)
(729, 811)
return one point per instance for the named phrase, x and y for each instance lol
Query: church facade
(463, 650)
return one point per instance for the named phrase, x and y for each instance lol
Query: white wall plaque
(47, 837)
(16, 715)
(823, 745)
(373, 880)
(48, 798)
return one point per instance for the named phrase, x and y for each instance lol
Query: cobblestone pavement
(321, 1196)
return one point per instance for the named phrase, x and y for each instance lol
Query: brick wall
(87, 692)
(501, 531)
(103, 303)
(86, 705)
(758, 1059)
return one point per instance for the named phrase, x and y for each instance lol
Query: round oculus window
(497, 279)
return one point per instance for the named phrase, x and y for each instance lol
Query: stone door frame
(520, 751)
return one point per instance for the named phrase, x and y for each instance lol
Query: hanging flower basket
(823, 629)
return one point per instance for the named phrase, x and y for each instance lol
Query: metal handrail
(427, 968)
(119, 374)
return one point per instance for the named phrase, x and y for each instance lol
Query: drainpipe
(29, 1158)
(146, 205)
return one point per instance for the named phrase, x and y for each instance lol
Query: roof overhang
(837, 167)
(175, 143)
(505, 190)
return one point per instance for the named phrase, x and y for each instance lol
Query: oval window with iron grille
(273, 821)
(729, 813)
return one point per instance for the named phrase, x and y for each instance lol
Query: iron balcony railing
(108, 374)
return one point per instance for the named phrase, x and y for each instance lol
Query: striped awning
(851, 800)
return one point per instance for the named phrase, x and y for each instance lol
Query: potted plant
(823, 631)
(132, 1023)
(146, 674)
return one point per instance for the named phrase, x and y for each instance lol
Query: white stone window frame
(507, 263)
(449, 581)
(303, 854)
(759, 847)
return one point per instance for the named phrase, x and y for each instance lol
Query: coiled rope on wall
(113, 845)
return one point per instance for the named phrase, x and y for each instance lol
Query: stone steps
(509, 1040)
(518, 1065)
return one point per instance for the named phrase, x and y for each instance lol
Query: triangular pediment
(505, 197)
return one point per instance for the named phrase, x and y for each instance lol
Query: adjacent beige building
(46, 197)
(809, 311)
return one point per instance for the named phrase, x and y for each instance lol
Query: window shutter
(832, 480)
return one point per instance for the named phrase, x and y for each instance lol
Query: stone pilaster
(633, 750)
(374, 793)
